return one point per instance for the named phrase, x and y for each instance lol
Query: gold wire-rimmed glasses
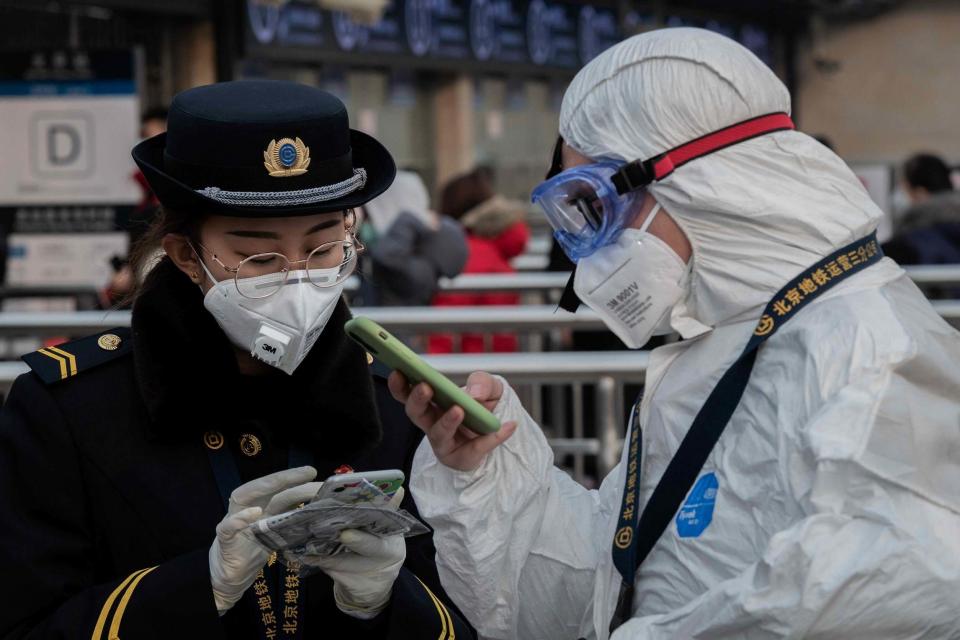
(263, 274)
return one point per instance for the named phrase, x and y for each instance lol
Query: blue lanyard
(637, 533)
(279, 596)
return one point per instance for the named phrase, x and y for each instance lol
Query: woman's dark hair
(928, 171)
(145, 250)
(464, 192)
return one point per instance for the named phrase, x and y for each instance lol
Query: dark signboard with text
(519, 35)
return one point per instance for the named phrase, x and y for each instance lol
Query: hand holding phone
(454, 446)
(396, 355)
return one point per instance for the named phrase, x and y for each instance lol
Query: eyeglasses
(263, 274)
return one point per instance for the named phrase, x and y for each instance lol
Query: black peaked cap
(224, 141)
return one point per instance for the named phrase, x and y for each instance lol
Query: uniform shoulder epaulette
(66, 360)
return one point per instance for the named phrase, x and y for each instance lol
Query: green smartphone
(396, 355)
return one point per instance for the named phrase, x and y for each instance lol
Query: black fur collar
(187, 373)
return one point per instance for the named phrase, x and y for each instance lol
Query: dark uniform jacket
(105, 471)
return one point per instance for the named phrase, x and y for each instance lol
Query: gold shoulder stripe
(446, 622)
(102, 619)
(114, 633)
(71, 359)
(62, 361)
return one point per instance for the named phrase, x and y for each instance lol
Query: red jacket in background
(486, 255)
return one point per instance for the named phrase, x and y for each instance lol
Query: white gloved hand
(235, 558)
(364, 573)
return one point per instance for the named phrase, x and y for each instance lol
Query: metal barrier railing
(934, 273)
(546, 281)
(526, 282)
(521, 318)
(608, 371)
(46, 291)
(412, 319)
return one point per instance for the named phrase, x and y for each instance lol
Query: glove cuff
(227, 592)
(367, 612)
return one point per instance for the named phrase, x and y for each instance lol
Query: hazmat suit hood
(756, 213)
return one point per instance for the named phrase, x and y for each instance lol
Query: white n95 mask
(633, 284)
(279, 329)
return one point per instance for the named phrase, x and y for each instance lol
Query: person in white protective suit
(829, 506)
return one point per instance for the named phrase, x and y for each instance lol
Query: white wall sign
(68, 128)
(63, 259)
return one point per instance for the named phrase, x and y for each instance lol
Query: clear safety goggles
(588, 206)
(584, 208)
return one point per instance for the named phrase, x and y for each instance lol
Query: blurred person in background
(410, 246)
(496, 233)
(133, 462)
(926, 177)
(929, 230)
(117, 292)
(152, 123)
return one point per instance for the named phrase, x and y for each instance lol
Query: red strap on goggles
(640, 173)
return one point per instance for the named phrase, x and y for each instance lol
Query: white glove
(364, 573)
(235, 558)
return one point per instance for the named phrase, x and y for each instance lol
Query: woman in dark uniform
(131, 460)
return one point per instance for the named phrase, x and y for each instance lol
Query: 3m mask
(280, 329)
(633, 284)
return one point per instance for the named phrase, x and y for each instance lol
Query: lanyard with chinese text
(635, 537)
(267, 597)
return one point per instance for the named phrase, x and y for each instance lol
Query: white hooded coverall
(837, 508)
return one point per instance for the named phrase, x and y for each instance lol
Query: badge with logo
(765, 325)
(109, 342)
(285, 157)
(697, 512)
(250, 444)
(213, 440)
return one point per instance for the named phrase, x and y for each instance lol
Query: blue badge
(697, 512)
(288, 154)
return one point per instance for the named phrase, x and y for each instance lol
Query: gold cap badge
(285, 157)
